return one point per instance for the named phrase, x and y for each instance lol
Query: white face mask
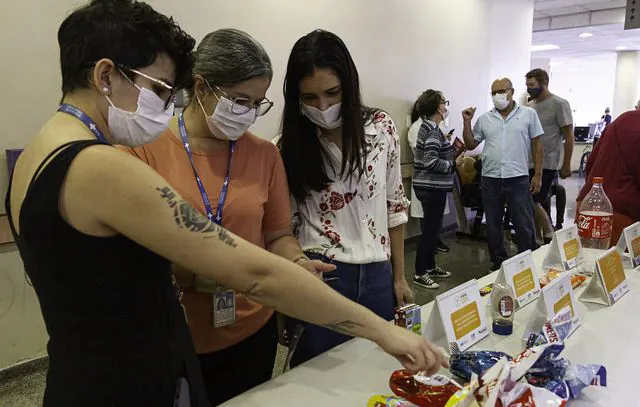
(226, 125)
(445, 114)
(134, 129)
(328, 119)
(500, 101)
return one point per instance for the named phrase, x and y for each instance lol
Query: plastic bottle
(502, 309)
(595, 218)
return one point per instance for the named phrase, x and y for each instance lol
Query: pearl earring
(105, 89)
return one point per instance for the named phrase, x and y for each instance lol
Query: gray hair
(227, 57)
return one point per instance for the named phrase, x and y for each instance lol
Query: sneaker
(425, 281)
(438, 273)
(441, 247)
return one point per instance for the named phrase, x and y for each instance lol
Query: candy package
(500, 386)
(552, 274)
(423, 390)
(565, 379)
(465, 364)
(388, 401)
(553, 331)
(465, 397)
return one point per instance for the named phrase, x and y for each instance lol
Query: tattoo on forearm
(344, 327)
(187, 217)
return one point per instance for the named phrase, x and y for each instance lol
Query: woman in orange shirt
(238, 180)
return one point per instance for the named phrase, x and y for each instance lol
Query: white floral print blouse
(349, 221)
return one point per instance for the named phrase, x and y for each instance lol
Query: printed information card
(554, 297)
(457, 318)
(565, 251)
(630, 241)
(609, 283)
(519, 273)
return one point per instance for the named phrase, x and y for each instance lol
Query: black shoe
(558, 226)
(494, 267)
(437, 272)
(548, 240)
(425, 281)
(441, 247)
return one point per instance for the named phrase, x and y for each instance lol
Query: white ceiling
(554, 8)
(605, 39)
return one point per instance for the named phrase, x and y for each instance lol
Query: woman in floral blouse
(343, 166)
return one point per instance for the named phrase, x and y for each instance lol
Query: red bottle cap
(598, 180)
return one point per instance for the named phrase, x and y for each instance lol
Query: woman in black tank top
(97, 229)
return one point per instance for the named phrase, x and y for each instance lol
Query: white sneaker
(425, 281)
(437, 272)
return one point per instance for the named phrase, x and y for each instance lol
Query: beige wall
(401, 47)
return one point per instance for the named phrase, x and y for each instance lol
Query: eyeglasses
(164, 91)
(500, 91)
(445, 102)
(242, 105)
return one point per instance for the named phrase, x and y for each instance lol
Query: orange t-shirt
(257, 203)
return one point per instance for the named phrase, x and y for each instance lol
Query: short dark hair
(427, 104)
(128, 32)
(302, 152)
(539, 75)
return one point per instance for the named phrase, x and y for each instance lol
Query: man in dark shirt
(616, 158)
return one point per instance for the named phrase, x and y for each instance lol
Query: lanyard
(82, 116)
(203, 193)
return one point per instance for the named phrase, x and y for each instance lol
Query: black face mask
(535, 92)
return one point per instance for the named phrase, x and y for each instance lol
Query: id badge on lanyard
(223, 299)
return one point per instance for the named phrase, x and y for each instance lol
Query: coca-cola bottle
(595, 218)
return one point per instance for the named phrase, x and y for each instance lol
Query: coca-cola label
(594, 226)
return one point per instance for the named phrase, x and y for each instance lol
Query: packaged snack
(564, 379)
(465, 364)
(409, 316)
(486, 290)
(433, 391)
(526, 395)
(556, 330)
(552, 274)
(388, 401)
(465, 397)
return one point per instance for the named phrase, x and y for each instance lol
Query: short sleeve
(535, 127)
(277, 209)
(564, 116)
(478, 133)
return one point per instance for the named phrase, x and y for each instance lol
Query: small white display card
(630, 241)
(565, 251)
(519, 272)
(609, 283)
(557, 295)
(458, 318)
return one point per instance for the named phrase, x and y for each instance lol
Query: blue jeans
(516, 194)
(370, 285)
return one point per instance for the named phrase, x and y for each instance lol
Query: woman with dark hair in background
(434, 167)
(343, 167)
(418, 114)
(210, 140)
(98, 230)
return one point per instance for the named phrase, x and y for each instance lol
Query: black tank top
(117, 335)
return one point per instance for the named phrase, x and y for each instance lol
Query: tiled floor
(468, 259)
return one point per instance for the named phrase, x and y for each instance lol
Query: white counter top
(351, 373)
